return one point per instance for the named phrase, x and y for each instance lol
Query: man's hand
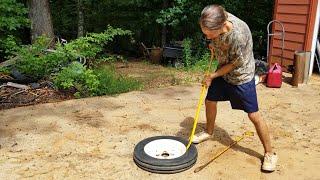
(207, 80)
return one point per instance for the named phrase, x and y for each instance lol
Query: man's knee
(254, 117)
(211, 104)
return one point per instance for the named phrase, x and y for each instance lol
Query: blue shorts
(243, 97)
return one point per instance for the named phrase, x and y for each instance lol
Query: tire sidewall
(141, 155)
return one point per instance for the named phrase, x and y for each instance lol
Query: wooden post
(299, 67)
(306, 67)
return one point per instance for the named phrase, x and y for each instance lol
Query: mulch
(11, 97)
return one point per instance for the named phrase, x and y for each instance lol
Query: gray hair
(213, 17)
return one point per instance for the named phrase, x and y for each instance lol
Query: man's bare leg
(211, 113)
(270, 158)
(262, 130)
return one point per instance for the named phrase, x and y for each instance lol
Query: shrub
(8, 45)
(36, 61)
(77, 76)
(89, 46)
(89, 82)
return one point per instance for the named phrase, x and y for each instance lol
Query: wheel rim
(165, 149)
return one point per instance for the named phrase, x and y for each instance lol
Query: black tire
(164, 166)
(172, 171)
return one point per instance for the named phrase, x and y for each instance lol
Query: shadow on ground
(220, 135)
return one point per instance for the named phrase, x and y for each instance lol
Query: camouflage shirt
(235, 47)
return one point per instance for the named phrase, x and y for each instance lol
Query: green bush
(89, 82)
(36, 62)
(93, 43)
(77, 76)
(8, 45)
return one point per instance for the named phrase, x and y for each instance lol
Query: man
(233, 81)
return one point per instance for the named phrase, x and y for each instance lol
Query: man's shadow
(220, 135)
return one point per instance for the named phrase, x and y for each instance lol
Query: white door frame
(314, 39)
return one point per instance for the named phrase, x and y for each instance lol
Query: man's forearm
(222, 71)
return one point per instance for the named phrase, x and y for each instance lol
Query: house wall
(298, 18)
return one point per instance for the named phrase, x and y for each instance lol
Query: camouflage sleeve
(236, 56)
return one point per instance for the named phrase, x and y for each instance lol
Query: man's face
(211, 34)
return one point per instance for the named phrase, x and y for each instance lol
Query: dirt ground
(94, 138)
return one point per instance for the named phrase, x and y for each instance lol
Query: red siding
(294, 1)
(293, 18)
(293, 37)
(290, 27)
(293, 9)
(298, 18)
(288, 45)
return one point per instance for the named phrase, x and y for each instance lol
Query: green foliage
(8, 45)
(256, 14)
(112, 83)
(89, 82)
(135, 15)
(36, 61)
(12, 18)
(180, 13)
(77, 76)
(146, 18)
(92, 44)
(187, 52)
(202, 65)
(173, 15)
(4, 70)
(12, 15)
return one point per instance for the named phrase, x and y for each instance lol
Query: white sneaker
(270, 162)
(200, 137)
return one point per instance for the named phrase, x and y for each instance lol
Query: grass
(114, 83)
(155, 76)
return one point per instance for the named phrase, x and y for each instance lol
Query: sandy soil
(94, 138)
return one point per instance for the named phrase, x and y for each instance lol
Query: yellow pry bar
(203, 90)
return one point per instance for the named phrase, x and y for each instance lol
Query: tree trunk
(40, 16)
(164, 27)
(80, 19)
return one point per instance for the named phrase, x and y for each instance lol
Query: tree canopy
(148, 20)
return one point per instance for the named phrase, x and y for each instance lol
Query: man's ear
(224, 25)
